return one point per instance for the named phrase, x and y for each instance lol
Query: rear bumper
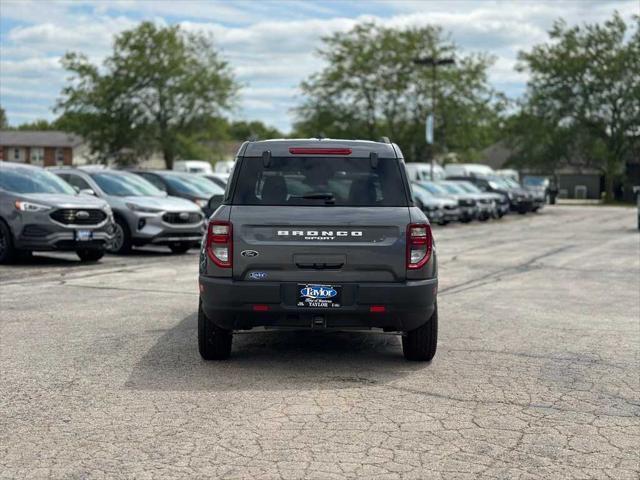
(229, 305)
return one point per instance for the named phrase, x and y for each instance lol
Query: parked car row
(464, 199)
(94, 210)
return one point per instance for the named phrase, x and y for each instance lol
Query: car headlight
(201, 202)
(31, 207)
(138, 208)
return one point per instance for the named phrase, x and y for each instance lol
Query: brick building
(43, 148)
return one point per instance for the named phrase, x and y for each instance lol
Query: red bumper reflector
(377, 309)
(261, 308)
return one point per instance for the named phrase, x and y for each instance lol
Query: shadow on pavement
(271, 361)
(47, 259)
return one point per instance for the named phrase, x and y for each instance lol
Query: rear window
(320, 181)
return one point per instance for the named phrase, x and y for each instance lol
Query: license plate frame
(315, 295)
(83, 235)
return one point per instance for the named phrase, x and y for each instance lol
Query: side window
(78, 182)
(155, 181)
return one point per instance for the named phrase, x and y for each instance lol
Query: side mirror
(87, 191)
(215, 202)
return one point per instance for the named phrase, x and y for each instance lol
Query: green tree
(155, 91)
(253, 130)
(586, 82)
(371, 87)
(3, 119)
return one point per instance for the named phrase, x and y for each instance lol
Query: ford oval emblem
(249, 253)
(82, 215)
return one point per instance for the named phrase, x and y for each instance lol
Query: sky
(271, 44)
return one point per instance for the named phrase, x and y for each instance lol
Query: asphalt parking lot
(536, 375)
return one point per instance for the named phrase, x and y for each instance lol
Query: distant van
(225, 166)
(192, 166)
(417, 171)
(468, 170)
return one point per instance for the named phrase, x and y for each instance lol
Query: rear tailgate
(319, 244)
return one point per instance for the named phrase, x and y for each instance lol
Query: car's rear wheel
(121, 243)
(7, 251)
(90, 254)
(214, 342)
(420, 344)
(181, 247)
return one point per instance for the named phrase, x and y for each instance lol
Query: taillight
(220, 243)
(319, 151)
(419, 245)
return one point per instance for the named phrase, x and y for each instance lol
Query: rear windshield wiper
(327, 197)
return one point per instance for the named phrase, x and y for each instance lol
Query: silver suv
(40, 212)
(318, 234)
(143, 214)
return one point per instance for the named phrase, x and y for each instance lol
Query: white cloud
(271, 45)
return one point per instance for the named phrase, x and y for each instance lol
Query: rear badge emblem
(249, 253)
(258, 275)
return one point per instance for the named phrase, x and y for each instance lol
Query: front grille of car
(79, 216)
(34, 231)
(182, 217)
(450, 207)
(467, 203)
(485, 201)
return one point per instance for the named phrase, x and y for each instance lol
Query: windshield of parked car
(319, 181)
(511, 183)
(453, 188)
(433, 188)
(32, 180)
(468, 187)
(498, 183)
(123, 184)
(534, 181)
(421, 188)
(193, 185)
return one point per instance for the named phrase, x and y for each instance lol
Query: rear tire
(420, 344)
(214, 343)
(7, 251)
(90, 254)
(180, 247)
(121, 244)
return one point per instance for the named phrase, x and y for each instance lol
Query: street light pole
(433, 63)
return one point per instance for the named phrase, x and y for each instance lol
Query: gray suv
(40, 212)
(143, 214)
(318, 234)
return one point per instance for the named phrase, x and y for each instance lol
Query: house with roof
(43, 148)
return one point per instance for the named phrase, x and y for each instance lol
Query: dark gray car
(40, 212)
(143, 214)
(318, 234)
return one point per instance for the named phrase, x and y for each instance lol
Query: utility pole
(434, 62)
